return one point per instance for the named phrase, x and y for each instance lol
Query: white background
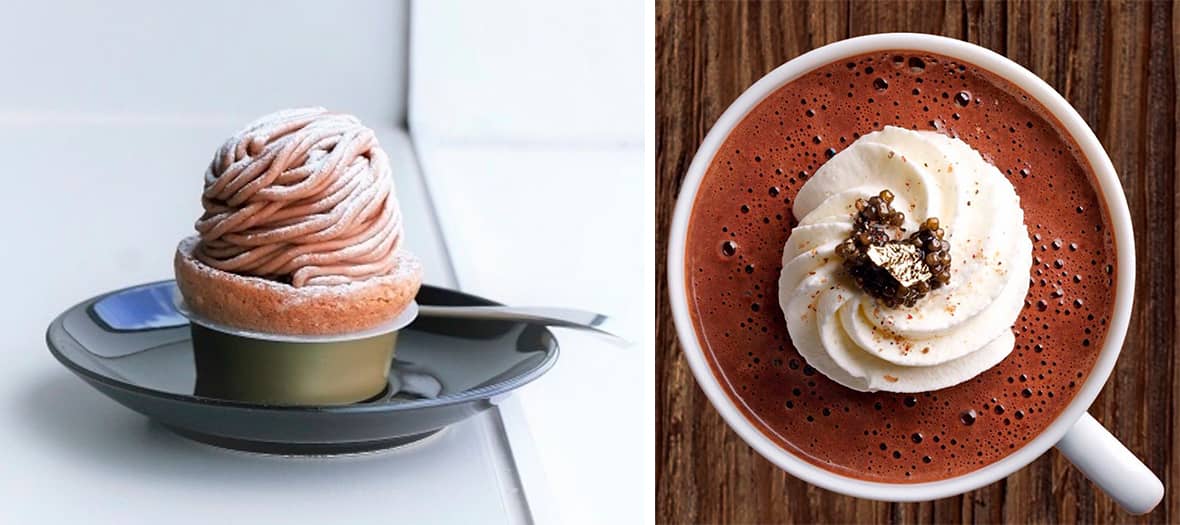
(527, 122)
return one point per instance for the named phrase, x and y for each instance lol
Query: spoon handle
(559, 317)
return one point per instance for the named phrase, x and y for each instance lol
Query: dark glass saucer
(134, 347)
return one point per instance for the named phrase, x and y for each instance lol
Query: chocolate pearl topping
(898, 272)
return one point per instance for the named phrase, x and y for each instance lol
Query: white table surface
(541, 224)
(96, 204)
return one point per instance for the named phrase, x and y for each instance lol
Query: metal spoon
(559, 317)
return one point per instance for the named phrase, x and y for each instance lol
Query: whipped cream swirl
(303, 196)
(954, 333)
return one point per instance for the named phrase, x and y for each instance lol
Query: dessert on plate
(301, 236)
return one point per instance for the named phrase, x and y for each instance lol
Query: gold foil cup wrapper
(294, 370)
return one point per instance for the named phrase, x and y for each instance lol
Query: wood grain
(1116, 62)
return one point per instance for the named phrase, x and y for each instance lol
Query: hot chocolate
(745, 212)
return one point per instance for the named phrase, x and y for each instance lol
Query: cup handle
(1111, 466)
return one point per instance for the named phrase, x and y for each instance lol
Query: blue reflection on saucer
(148, 307)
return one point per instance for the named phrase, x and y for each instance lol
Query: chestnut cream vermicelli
(303, 196)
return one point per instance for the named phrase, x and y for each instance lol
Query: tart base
(253, 303)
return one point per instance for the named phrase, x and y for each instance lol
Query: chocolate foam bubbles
(745, 211)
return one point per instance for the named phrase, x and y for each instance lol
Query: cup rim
(403, 319)
(1115, 204)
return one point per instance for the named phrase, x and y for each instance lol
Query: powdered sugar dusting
(303, 196)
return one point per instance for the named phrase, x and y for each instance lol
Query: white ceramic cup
(1091, 448)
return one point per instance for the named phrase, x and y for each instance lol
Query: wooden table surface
(1115, 62)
